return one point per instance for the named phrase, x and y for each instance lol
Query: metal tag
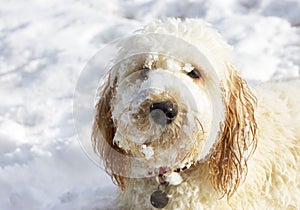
(159, 199)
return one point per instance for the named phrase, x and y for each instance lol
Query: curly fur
(228, 161)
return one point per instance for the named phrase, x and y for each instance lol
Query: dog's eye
(195, 73)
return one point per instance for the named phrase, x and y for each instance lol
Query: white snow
(45, 44)
(173, 178)
(147, 151)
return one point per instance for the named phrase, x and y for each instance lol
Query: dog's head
(172, 99)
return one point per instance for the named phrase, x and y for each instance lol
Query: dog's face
(161, 107)
(165, 104)
(156, 108)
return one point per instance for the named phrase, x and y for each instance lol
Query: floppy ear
(238, 140)
(104, 132)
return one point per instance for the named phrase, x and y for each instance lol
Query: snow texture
(44, 45)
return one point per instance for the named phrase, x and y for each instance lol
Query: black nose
(163, 112)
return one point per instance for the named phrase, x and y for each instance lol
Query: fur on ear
(238, 139)
(104, 132)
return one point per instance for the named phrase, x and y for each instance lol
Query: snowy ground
(45, 44)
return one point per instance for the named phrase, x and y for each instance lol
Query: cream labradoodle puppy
(178, 128)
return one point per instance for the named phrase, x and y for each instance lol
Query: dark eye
(195, 73)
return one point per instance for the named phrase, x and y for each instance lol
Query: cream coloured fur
(269, 179)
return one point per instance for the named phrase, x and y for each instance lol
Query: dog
(177, 127)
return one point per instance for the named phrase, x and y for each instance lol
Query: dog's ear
(104, 132)
(238, 139)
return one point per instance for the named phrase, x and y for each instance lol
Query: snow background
(45, 44)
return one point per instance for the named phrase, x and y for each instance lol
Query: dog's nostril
(163, 112)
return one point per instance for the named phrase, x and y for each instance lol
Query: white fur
(273, 175)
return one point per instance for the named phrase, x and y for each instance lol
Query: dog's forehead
(162, 50)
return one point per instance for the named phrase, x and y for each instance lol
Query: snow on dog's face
(161, 110)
